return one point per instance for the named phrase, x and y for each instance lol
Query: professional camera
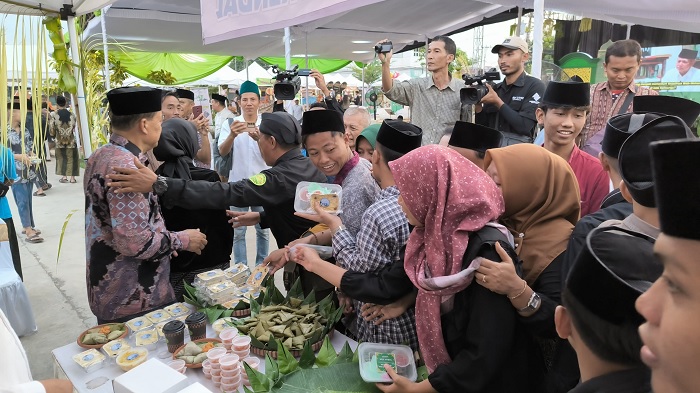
(472, 95)
(383, 47)
(288, 82)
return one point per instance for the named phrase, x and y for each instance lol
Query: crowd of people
(545, 245)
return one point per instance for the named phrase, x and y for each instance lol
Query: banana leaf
(307, 358)
(345, 355)
(310, 299)
(326, 356)
(272, 369)
(295, 292)
(287, 362)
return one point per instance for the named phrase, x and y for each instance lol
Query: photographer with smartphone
(510, 106)
(239, 140)
(434, 100)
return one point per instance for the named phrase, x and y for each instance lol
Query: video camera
(384, 47)
(288, 82)
(472, 95)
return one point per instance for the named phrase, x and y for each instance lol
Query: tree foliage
(373, 72)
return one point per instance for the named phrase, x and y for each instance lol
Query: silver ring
(483, 279)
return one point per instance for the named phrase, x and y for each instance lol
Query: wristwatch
(532, 304)
(160, 186)
(340, 228)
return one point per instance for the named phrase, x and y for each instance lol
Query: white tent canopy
(254, 71)
(156, 26)
(42, 7)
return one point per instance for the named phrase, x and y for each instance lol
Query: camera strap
(626, 103)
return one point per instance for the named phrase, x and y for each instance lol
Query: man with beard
(510, 106)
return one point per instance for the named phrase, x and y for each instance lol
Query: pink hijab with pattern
(451, 197)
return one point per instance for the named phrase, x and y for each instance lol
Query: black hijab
(177, 147)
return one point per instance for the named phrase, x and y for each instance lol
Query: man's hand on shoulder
(139, 180)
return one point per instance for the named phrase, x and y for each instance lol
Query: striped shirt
(603, 107)
(432, 109)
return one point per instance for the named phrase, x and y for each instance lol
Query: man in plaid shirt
(383, 234)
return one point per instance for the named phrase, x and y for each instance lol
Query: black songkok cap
(688, 54)
(572, 93)
(322, 121)
(675, 168)
(615, 267)
(620, 127)
(635, 156)
(474, 137)
(281, 125)
(675, 106)
(219, 98)
(183, 93)
(125, 101)
(399, 136)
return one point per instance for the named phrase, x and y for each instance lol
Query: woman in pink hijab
(468, 335)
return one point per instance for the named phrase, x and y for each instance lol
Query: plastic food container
(373, 357)
(131, 358)
(158, 316)
(324, 252)
(178, 309)
(147, 338)
(90, 360)
(330, 196)
(139, 323)
(112, 348)
(210, 277)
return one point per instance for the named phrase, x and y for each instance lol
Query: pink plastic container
(227, 335)
(241, 343)
(216, 380)
(242, 354)
(229, 362)
(230, 388)
(231, 373)
(252, 362)
(215, 366)
(215, 354)
(207, 373)
(215, 373)
(231, 380)
(206, 365)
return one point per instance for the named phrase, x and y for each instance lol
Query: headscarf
(451, 197)
(542, 202)
(369, 133)
(177, 147)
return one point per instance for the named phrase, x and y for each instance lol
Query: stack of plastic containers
(227, 336)
(230, 373)
(253, 363)
(241, 346)
(213, 356)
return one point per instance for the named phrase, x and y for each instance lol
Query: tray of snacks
(97, 336)
(195, 352)
(292, 320)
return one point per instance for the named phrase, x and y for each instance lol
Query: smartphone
(304, 72)
(251, 125)
(196, 111)
(230, 121)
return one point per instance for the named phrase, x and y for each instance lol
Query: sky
(493, 35)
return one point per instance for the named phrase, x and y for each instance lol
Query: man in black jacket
(273, 188)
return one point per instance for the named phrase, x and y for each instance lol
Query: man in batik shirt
(128, 248)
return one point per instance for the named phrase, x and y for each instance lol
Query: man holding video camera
(510, 105)
(434, 100)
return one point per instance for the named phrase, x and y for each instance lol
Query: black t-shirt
(517, 115)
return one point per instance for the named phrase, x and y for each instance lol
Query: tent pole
(520, 19)
(363, 83)
(629, 31)
(245, 62)
(306, 56)
(537, 39)
(82, 107)
(104, 48)
(287, 48)
(426, 53)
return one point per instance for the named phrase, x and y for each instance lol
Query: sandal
(73, 181)
(43, 194)
(63, 180)
(47, 187)
(35, 238)
(37, 231)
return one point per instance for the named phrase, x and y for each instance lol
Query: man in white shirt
(15, 376)
(246, 162)
(685, 70)
(295, 109)
(222, 165)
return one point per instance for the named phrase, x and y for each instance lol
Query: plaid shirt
(603, 107)
(432, 109)
(383, 233)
